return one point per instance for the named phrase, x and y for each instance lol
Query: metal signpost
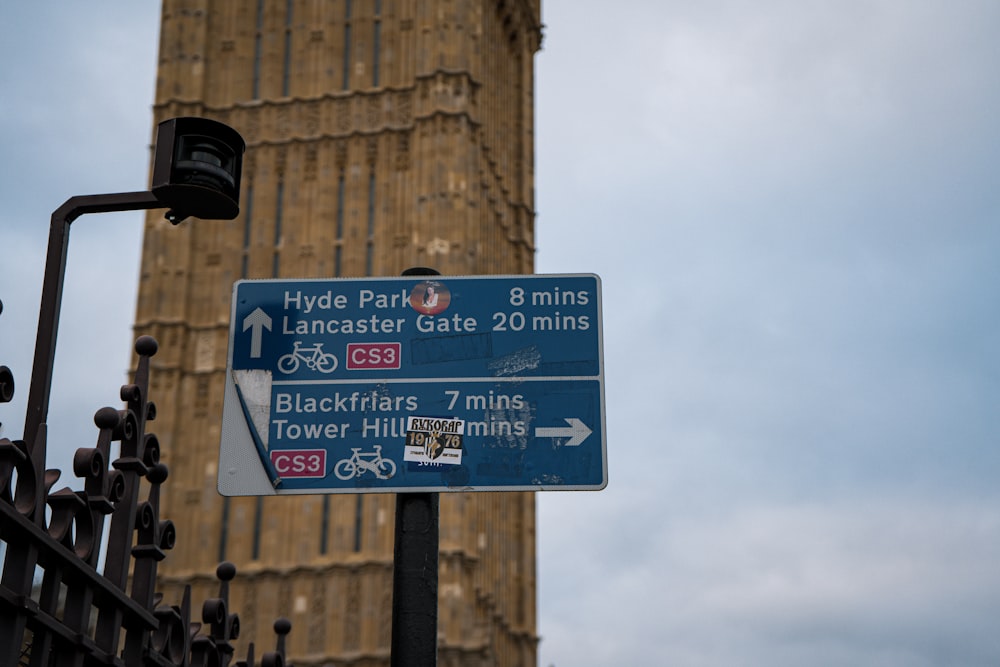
(419, 383)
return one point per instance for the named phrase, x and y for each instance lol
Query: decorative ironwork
(56, 608)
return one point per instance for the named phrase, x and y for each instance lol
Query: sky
(793, 207)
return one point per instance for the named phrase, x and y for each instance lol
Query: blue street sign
(419, 383)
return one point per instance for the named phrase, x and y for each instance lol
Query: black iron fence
(59, 605)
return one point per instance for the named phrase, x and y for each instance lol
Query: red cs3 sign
(299, 462)
(373, 356)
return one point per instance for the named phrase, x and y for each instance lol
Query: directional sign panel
(420, 383)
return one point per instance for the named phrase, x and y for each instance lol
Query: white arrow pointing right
(577, 432)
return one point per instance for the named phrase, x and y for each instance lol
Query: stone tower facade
(381, 134)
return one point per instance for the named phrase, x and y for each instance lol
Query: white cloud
(76, 122)
(795, 232)
(855, 582)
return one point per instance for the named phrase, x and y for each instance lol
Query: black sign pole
(415, 570)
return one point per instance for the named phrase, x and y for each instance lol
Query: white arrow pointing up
(256, 322)
(577, 432)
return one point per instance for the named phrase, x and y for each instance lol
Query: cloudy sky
(793, 206)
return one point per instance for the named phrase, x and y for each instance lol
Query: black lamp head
(197, 165)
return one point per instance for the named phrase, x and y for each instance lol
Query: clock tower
(381, 135)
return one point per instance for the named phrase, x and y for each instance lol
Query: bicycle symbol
(359, 462)
(313, 357)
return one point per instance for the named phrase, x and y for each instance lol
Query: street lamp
(197, 165)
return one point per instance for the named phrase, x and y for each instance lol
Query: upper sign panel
(414, 383)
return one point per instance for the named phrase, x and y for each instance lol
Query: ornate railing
(57, 606)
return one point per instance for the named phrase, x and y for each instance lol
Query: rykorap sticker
(434, 440)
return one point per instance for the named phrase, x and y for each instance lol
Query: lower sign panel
(289, 438)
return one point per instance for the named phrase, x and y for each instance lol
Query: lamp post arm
(79, 205)
(52, 286)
